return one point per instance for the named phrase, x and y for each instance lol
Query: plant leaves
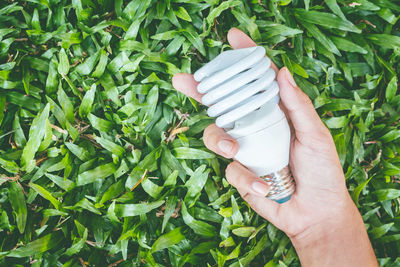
(97, 173)
(199, 227)
(169, 239)
(128, 210)
(17, 201)
(326, 20)
(36, 133)
(37, 246)
(46, 194)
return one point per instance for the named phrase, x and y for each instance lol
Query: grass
(102, 162)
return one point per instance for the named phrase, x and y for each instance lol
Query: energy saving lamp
(240, 89)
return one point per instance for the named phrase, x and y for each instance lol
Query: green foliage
(101, 160)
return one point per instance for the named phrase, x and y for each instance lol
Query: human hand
(321, 204)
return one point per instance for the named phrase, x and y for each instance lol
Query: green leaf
(86, 105)
(133, 65)
(195, 184)
(388, 15)
(53, 212)
(19, 135)
(183, 14)
(379, 231)
(38, 246)
(194, 39)
(326, 19)
(65, 184)
(391, 89)
(98, 173)
(169, 210)
(140, 169)
(199, 227)
(244, 231)
(9, 166)
(101, 66)
(111, 213)
(99, 124)
(63, 65)
(348, 46)
(260, 245)
(216, 12)
(167, 240)
(356, 193)
(223, 198)
(151, 188)
(237, 217)
(36, 134)
(322, 38)
(17, 201)
(386, 194)
(4, 221)
(84, 204)
(129, 210)
(2, 107)
(77, 246)
(113, 191)
(78, 151)
(191, 153)
(332, 4)
(249, 23)
(47, 137)
(229, 242)
(45, 194)
(390, 136)
(385, 40)
(168, 35)
(110, 146)
(86, 67)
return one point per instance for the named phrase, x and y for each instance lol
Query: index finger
(185, 83)
(238, 39)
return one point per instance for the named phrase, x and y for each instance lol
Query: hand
(321, 205)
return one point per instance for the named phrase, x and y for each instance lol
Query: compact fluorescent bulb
(240, 90)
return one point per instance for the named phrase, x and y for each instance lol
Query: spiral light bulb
(240, 89)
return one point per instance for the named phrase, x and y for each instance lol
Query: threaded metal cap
(282, 185)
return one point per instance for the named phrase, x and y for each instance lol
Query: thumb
(253, 190)
(299, 107)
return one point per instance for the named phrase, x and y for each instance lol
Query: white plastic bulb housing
(240, 89)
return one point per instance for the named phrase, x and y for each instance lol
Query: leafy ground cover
(102, 163)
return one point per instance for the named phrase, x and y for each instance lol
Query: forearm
(341, 242)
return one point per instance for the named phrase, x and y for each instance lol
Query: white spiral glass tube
(240, 89)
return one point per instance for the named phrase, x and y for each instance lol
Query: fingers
(245, 181)
(185, 83)
(217, 140)
(238, 39)
(298, 105)
(254, 190)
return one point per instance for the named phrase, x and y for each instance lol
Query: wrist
(342, 219)
(340, 240)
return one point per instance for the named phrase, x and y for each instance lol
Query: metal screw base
(282, 185)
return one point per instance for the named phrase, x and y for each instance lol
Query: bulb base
(282, 185)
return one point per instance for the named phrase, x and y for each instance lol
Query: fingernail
(260, 188)
(290, 78)
(225, 146)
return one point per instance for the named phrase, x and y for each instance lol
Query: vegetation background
(102, 162)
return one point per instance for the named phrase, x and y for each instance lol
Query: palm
(314, 191)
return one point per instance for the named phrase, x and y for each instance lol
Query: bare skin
(321, 219)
